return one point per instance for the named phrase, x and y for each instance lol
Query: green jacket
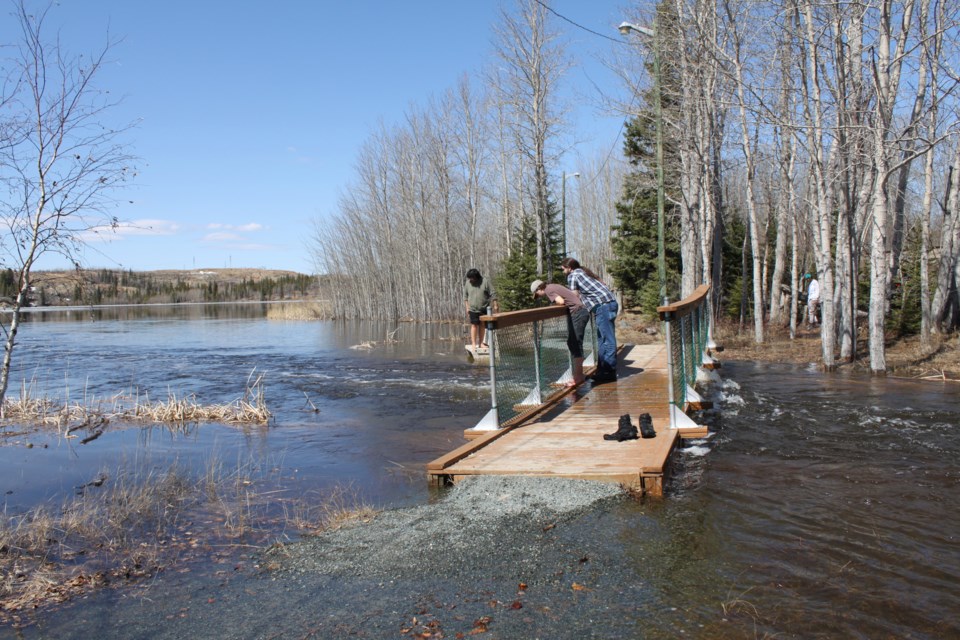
(479, 297)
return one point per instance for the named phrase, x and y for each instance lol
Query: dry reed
(92, 415)
(300, 310)
(341, 506)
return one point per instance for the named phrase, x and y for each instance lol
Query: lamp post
(625, 28)
(563, 208)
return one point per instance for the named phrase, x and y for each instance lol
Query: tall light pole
(625, 28)
(563, 208)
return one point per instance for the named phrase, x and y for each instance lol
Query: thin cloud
(243, 228)
(221, 236)
(298, 156)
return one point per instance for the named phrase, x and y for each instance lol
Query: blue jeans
(605, 315)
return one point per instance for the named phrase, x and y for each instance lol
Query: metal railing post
(536, 360)
(670, 364)
(492, 345)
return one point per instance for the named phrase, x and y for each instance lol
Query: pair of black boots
(626, 430)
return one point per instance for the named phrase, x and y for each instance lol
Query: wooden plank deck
(570, 444)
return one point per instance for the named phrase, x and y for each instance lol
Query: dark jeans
(605, 315)
(576, 327)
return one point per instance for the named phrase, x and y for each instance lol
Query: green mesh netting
(678, 375)
(687, 337)
(531, 363)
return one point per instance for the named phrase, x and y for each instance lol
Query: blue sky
(250, 113)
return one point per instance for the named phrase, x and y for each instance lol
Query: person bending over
(599, 301)
(577, 320)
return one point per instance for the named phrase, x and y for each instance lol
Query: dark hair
(473, 274)
(573, 265)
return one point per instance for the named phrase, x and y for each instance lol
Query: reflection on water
(181, 311)
(822, 506)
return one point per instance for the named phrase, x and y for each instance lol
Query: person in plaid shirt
(599, 301)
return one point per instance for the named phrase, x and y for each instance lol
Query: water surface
(370, 417)
(822, 505)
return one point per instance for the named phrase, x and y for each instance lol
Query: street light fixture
(563, 207)
(625, 28)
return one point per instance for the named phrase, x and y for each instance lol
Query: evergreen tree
(735, 284)
(8, 283)
(904, 316)
(519, 269)
(634, 265)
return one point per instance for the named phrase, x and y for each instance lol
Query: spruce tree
(634, 265)
(519, 269)
(635, 262)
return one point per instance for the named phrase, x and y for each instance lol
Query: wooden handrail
(684, 307)
(524, 316)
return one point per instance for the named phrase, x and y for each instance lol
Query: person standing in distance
(813, 299)
(599, 301)
(478, 295)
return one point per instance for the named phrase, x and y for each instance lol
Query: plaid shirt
(592, 292)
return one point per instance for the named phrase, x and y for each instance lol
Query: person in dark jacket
(478, 295)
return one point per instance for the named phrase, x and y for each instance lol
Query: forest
(117, 286)
(795, 137)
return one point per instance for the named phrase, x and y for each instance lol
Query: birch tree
(533, 64)
(60, 160)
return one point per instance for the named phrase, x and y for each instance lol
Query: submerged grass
(123, 527)
(100, 535)
(94, 414)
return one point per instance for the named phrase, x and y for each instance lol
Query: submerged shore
(516, 557)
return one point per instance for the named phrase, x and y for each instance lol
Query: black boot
(625, 430)
(646, 426)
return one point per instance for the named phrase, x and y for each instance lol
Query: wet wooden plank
(571, 444)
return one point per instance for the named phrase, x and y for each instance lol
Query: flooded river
(822, 506)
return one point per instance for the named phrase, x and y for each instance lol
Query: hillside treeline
(107, 286)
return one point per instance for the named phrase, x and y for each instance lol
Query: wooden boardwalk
(568, 441)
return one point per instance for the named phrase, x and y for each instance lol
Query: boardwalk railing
(529, 361)
(688, 339)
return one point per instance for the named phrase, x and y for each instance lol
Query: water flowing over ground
(821, 506)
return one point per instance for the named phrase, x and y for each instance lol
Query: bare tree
(591, 213)
(59, 159)
(533, 65)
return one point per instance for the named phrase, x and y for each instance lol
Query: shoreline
(131, 305)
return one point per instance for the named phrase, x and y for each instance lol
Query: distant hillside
(108, 286)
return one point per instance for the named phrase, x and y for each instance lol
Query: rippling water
(832, 499)
(822, 505)
(368, 417)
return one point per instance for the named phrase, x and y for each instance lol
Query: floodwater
(370, 417)
(822, 505)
